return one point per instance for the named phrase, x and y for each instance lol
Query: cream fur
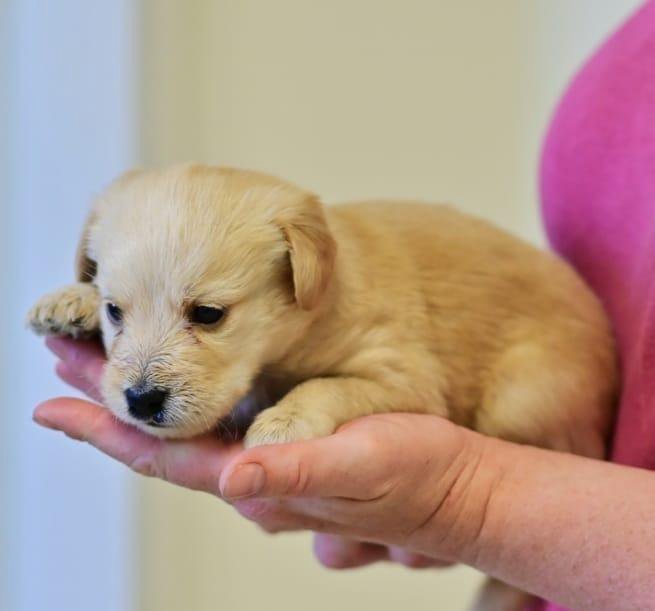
(352, 309)
(339, 312)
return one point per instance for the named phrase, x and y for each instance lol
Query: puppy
(208, 284)
(204, 281)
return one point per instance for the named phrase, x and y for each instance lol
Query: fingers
(413, 560)
(336, 552)
(75, 350)
(82, 363)
(86, 421)
(194, 464)
(74, 379)
(274, 516)
(348, 464)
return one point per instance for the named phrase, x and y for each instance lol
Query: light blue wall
(68, 125)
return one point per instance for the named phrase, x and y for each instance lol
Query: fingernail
(246, 480)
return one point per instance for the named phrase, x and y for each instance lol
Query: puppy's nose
(144, 404)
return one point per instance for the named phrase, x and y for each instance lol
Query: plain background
(436, 100)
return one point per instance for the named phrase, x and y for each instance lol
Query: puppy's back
(487, 304)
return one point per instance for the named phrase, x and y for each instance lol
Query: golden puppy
(206, 281)
(209, 283)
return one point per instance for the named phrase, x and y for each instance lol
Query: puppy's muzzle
(146, 404)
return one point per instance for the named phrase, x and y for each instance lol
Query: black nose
(145, 404)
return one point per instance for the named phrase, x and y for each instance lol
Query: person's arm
(574, 530)
(569, 529)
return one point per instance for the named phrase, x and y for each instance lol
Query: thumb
(347, 464)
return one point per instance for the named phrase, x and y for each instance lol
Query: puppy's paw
(277, 425)
(72, 311)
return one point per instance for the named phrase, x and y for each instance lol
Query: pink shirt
(598, 193)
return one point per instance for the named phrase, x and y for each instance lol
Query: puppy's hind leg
(537, 396)
(72, 310)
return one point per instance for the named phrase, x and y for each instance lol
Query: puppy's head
(207, 276)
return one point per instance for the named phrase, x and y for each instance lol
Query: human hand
(396, 479)
(337, 552)
(185, 463)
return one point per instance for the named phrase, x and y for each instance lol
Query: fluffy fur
(336, 312)
(343, 311)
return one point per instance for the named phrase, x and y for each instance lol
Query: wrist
(465, 520)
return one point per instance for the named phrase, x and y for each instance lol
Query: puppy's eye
(114, 313)
(206, 315)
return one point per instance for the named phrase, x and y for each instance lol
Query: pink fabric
(598, 194)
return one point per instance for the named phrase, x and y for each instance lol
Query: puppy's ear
(312, 249)
(85, 263)
(85, 266)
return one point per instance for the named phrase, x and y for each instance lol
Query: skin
(411, 488)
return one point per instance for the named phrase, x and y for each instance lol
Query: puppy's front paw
(72, 311)
(277, 425)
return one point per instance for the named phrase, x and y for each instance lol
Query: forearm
(573, 530)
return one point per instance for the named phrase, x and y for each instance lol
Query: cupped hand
(390, 486)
